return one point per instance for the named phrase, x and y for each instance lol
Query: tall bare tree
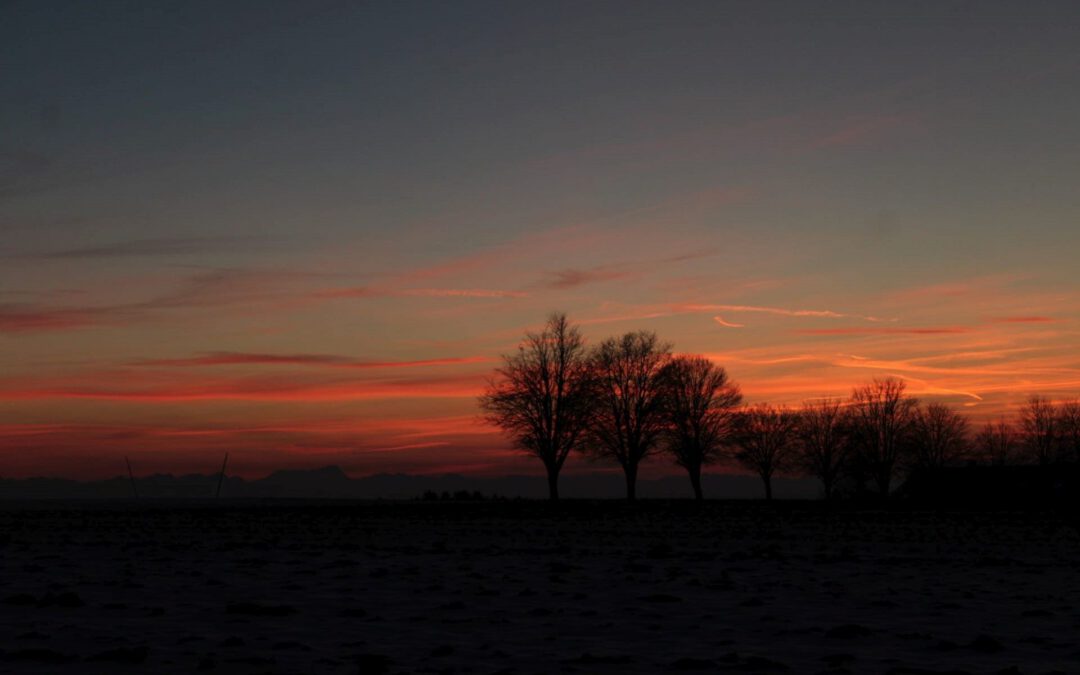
(765, 436)
(698, 402)
(1039, 423)
(881, 419)
(629, 420)
(939, 437)
(823, 442)
(543, 396)
(996, 443)
(1068, 423)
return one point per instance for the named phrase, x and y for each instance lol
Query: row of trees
(629, 398)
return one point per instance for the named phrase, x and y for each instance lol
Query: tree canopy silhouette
(629, 420)
(939, 437)
(996, 443)
(823, 442)
(1039, 423)
(881, 419)
(629, 398)
(765, 437)
(1069, 430)
(544, 395)
(699, 402)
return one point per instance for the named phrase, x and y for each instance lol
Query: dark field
(524, 587)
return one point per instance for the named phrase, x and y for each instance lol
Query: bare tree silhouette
(629, 398)
(823, 442)
(1068, 423)
(765, 436)
(629, 419)
(698, 403)
(1039, 422)
(543, 396)
(939, 437)
(881, 419)
(996, 443)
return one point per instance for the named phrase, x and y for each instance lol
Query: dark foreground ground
(523, 587)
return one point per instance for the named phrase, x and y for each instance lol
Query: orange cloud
(777, 311)
(1023, 319)
(460, 293)
(348, 292)
(555, 240)
(208, 288)
(360, 446)
(912, 365)
(619, 318)
(243, 358)
(371, 292)
(250, 389)
(766, 361)
(984, 285)
(652, 312)
(326, 360)
(917, 387)
(25, 319)
(726, 324)
(948, 330)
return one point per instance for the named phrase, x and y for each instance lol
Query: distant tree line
(458, 496)
(630, 398)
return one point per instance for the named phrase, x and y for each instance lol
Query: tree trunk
(631, 481)
(883, 482)
(553, 483)
(768, 487)
(695, 481)
(827, 484)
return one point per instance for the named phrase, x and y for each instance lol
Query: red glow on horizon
(296, 397)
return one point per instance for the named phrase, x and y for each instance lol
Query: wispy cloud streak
(321, 360)
(727, 324)
(1023, 319)
(25, 318)
(158, 247)
(357, 292)
(252, 389)
(574, 278)
(944, 330)
(775, 311)
(862, 130)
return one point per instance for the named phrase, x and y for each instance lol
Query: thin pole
(134, 487)
(221, 476)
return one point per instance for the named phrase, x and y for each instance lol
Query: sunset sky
(304, 232)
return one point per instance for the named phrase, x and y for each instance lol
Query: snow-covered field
(523, 587)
